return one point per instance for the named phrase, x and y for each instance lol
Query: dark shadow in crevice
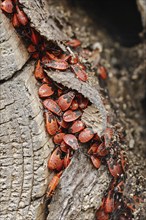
(143, 102)
(120, 18)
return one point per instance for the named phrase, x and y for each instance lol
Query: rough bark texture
(45, 18)
(13, 52)
(24, 143)
(80, 191)
(24, 148)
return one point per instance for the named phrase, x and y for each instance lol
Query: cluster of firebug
(63, 109)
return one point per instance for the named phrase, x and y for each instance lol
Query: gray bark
(80, 191)
(13, 52)
(45, 19)
(24, 148)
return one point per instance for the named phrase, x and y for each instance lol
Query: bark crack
(16, 73)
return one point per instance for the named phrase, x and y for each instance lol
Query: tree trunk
(25, 146)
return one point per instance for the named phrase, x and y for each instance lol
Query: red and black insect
(35, 38)
(109, 203)
(57, 65)
(95, 161)
(58, 138)
(102, 215)
(39, 72)
(80, 73)
(45, 91)
(70, 115)
(102, 72)
(15, 21)
(67, 159)
(53, 184)
(71, 141)
(82, 101)
(51, 123)
(101, 150)
(52, 106)
(64, 147)
(62, 123)
(55, 161)
(86, 135)
(114, 167)
(74, 43)
(73, 59)
(108, 135)
(65, 100)
(77, 126)
(52, 56)
(93, 149)
(74, 105)
(22, 18)
(7, 6)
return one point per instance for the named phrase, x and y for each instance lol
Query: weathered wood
(45, 18)
(13, 52)
(80, 191)
(24, 149)
(92, 118)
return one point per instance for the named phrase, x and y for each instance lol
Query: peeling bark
(80, 191)
(46, 18)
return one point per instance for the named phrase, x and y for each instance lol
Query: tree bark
(25, 146)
